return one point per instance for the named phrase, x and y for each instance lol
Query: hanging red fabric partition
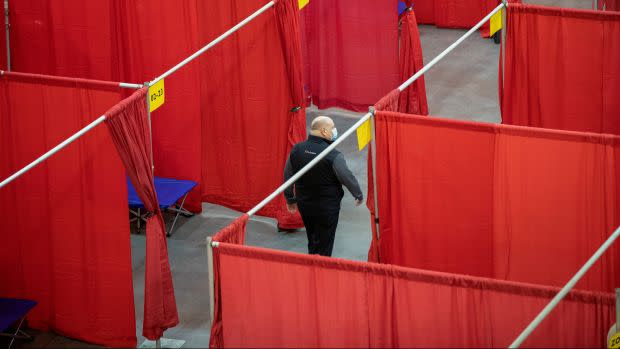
(287, 19)
(520, 204)
(569, 77)
(413, 99)
(129, 127)
(65, 234)
(312, 301)
(351, 51)
(250, 87)
(454, 13)
(609, 5)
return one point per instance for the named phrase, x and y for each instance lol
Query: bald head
(322, 126)
(321, 122)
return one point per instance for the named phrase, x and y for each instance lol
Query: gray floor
(462, 86)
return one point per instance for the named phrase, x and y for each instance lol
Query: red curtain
(129, 126)
(454, 13)
(351, 51)
(232, 234)
(295, 300)
(249, 88)
(569, 77)
(528, 205)
(413, 98)
(65, 234)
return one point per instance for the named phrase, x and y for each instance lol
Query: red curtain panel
(351, 51)
(514, 203)
(234, 233)
(129, 128)
(569, 77)
(248, 87)
(294, 300)
(65, 233)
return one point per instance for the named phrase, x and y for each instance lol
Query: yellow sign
(303, 3)
(496, 22)
(157, 95)
(364, 135)
(614, 341)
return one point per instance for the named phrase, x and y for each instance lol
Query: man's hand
(292, 208)
(359, 202)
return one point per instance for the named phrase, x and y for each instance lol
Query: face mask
(334, 134)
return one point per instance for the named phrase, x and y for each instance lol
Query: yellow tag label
(157, 95)
(303, 3)
(496, 22)
(614, 341)
(364, 135)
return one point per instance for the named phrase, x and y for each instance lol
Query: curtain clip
(295, 109)
(409, 9)
(372, 110)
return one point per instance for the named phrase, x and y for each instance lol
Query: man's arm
(346, 177)
(289, 193)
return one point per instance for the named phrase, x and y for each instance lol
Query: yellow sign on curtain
(303, 3)
(614, 341)
(157, 95)
(496, 22)
(364, 135)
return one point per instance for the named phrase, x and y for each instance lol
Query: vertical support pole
(211, 279)
(148, 110)
(373, 148)
(7, 30)
(158, 344)
(503, 44)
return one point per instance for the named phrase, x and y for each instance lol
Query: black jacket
(320, 189)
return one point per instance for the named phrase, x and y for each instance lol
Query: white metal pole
(449, 49)
(53, 151)
(7, 29)
(214, 42)
(373, 147)
(367, 116)
(564, 291)
(210, 277)
(128, 85)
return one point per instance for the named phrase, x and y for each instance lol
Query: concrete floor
(462, 86)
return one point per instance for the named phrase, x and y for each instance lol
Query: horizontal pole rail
(564, 291)
(366, 117)
(214, 42)
(53, 151)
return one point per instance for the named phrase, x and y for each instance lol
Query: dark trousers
(321, 231)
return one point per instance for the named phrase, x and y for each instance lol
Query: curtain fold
(129, 127)
(569, 77)
(514, 203)
(64, 231)
(287, 19)
(311, 301)
(413, 99)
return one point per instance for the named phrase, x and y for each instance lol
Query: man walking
(318, 193)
